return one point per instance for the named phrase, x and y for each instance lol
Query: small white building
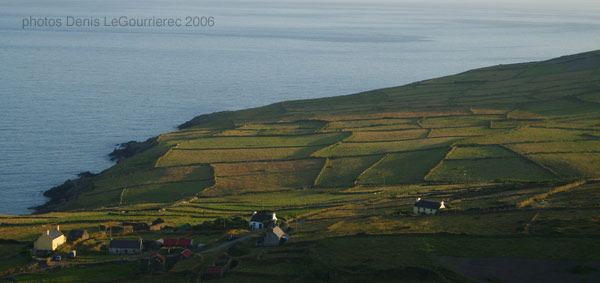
(125, 246)
(427, 207)
(50, 240)
(258, 219)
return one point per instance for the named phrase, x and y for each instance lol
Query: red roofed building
(179, 242)
(186, 253)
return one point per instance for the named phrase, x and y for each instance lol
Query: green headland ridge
(513, 150)
(524, 123)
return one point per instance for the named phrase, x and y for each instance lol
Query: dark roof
(262, 216)
(53, 233)
(157, 221)
(126, 244)
(428, 204)
(76, 234)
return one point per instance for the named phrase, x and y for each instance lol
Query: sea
(78, 77)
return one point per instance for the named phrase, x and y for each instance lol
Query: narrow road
(224, 245)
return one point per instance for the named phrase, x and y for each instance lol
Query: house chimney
(57, 228)
(418, 199)
(253, 212)
(47, 232)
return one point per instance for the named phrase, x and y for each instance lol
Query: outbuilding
(75, 235)
(274, 237)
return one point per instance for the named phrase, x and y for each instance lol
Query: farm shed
(75, 235)
(274, 237)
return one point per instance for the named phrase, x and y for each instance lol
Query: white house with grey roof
(259, 218)
(125, 246)
(427, 207)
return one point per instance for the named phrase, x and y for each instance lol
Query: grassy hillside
(525, 122)
(514, 151)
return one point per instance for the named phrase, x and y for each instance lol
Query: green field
(167, 192)
(261, 176)
(340, 172)
(462, 132)
(579, 165)
(371, 136)
(270, 141)
(385, 127)
(367, 123)
(477, 152)
(190, 157)
(292, 128)
(459, 121)
(403, 168)
(488, 170)
(591, 146)
(156, 175)
(529, 134)
(350, 149)
(587, 195)
(84, 274)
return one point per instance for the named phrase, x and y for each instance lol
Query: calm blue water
(68, 95)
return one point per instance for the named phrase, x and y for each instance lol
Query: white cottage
(50, 240)
(125, 246)
(258, 219)
(427, 207)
